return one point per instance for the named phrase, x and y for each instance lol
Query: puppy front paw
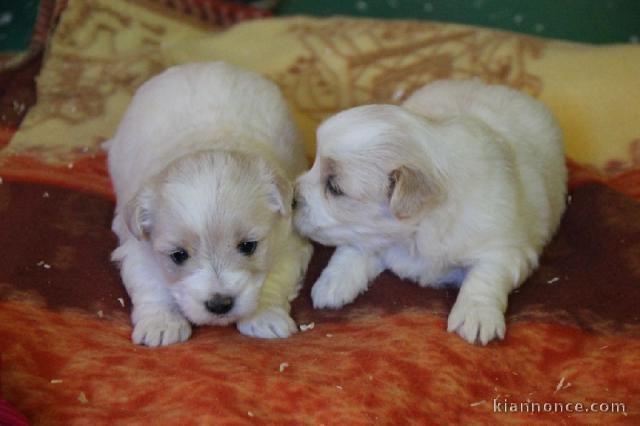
(268, 323)
(334, 291)
(161, 328)
(476, 322)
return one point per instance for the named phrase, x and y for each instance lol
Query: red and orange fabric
(573, 327)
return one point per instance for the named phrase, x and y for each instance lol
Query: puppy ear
(137, 214)
(412, 191)
(281, 195)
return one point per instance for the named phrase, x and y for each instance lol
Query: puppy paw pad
(476, 323)
(161, 329)
(271, 323)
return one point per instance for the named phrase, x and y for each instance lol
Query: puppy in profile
(464, 183)
(202, 166)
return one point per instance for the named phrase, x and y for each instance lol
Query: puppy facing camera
(202, 164)
(464, 183)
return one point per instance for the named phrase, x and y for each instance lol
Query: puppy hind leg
(478, 313)
(157, 320)
(345, 277)
(271, 319)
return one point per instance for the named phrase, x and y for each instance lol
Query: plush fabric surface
(573, 328)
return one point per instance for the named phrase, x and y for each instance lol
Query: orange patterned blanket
(572, 350)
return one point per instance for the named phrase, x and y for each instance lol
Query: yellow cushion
(322, 66)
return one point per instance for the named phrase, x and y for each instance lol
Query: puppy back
(200, 106)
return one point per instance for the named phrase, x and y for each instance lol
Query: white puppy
(202, 165)
(464, 183)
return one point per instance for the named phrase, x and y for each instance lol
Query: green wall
(594, 21)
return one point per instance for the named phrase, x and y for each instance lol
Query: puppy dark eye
(332, 187)
(179, 256)
(247, 247)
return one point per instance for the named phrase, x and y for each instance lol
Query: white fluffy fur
(203, 160)
(465, 182)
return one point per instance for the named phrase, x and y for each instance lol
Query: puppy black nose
(219, 304)
(294, 203)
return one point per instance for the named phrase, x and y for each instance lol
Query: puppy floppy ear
(280, 192)
(137, 214)
(411, 191)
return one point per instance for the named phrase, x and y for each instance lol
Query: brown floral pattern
(386, 61)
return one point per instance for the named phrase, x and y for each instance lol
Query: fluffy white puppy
(465, 182)
(202, 166)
